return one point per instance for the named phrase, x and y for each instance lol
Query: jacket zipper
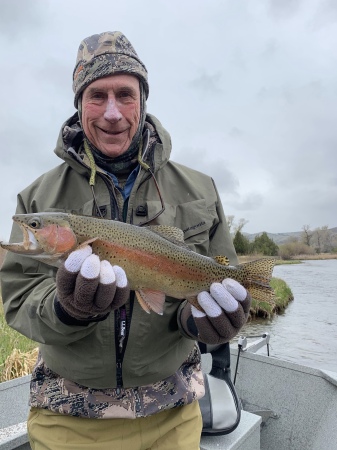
(113, 200)
(122, 317)
(122, 327)
(122, 322)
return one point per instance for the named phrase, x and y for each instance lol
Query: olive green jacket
(155, 347)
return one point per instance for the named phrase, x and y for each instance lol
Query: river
(306, 333)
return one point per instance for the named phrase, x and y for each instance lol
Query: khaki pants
(174, 429)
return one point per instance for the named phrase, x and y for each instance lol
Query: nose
(112, 113)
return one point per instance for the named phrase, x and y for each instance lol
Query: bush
(291, 249)
(12, 340)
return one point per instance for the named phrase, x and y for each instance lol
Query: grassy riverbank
(283, 295)
(16, 357)
(317, 256)
(297, 259)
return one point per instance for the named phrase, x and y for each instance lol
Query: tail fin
(256, 276)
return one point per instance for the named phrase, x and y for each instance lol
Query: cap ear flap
(79, 107)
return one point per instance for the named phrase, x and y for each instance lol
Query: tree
(263, 244)
(307, 234)
(241, 244)
(230, 221)
(241, 223)
(323, 241)
(233, 226)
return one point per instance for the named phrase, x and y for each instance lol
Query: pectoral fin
(87, 242)
(151, 300)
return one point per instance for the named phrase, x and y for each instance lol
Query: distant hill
(281, 238)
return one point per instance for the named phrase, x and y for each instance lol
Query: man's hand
(226, 309)
(89, 289)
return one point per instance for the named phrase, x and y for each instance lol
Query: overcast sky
(247, 90)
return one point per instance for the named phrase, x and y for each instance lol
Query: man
(101, 356)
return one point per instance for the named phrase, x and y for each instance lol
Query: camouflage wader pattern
(50, 391)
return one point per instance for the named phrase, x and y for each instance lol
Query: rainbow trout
(156, 259)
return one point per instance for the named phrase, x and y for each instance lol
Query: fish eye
(34, 223)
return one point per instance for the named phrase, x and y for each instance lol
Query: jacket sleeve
(28, 290)
(220, 243)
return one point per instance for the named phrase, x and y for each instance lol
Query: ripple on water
(306, 333)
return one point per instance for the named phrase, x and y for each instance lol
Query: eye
(94, 95)
(126, 94)
(97, 95)
(34, 223)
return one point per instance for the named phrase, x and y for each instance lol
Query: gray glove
(88, 289)
(226, 308)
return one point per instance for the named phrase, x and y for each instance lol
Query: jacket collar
(71, 136)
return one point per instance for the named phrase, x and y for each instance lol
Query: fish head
(46, 236)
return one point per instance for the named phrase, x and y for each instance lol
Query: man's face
(111, 112)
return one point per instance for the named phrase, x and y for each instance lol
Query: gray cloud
(283, 9)
(217, 168)
(326, 15)
(17, 17)
(250, 202)
(246, 90)
(208, 83)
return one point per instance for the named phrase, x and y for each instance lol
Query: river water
(306, 333)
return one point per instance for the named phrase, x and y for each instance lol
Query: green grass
(11, 339)
(281, 262)
(283, 295)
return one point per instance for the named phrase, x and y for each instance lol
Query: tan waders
(173, 429)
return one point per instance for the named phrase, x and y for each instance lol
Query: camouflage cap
(106, 54)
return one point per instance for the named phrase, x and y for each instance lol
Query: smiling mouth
(112, 133)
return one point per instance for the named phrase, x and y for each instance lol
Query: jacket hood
(71, 136)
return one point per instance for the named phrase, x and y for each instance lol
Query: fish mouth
(28, 246)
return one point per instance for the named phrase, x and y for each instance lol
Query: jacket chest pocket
(196, 219)
(90, 208)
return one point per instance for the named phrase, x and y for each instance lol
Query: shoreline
(297, 259)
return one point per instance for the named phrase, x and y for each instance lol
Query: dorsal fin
(168, 232)
(223, 260)
(172, 234)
